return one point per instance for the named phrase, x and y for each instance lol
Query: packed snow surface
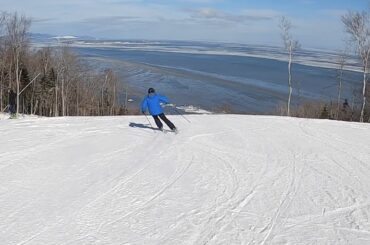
(224, 179)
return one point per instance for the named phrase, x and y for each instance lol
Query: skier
(347, 112)
(12, 103)
(153, 102)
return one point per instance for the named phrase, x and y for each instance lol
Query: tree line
(51, 81)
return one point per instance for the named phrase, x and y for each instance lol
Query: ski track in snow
(224, 179)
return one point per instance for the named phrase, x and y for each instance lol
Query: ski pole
(5, 108)
(149, 121)
(29, 83)
(177, 111)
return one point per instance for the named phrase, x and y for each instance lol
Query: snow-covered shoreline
(224, 179)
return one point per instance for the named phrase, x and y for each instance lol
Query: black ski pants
(165, 119)
(12, 109)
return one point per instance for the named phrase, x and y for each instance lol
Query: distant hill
(47, 38)
(39, 37)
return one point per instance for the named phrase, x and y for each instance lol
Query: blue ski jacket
(153, 103)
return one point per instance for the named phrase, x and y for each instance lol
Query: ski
(165, 131)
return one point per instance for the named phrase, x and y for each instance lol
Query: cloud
(244, 16)
(104, 20)
(43, 20)
(336, 13)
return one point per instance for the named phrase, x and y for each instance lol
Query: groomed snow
(224, 179)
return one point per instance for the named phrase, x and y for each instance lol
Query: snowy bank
(6, 116)
(224, 179)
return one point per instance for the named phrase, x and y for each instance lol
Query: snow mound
(224, 179)
(5, 116)
(193, 109)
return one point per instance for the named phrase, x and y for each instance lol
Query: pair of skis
(161, 129)
(175, 131)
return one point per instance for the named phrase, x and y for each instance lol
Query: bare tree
(357, 25)
(113, 88)
(53, 80)
(341, 63)
(290, 46)
(2, 59)
(102, 92)
(17, 38)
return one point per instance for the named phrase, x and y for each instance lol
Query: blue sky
(316, 22)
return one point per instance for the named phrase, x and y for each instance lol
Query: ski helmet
(151, 91)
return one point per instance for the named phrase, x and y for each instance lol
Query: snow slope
(225, 179)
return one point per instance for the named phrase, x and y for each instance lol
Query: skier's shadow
(140, 125)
